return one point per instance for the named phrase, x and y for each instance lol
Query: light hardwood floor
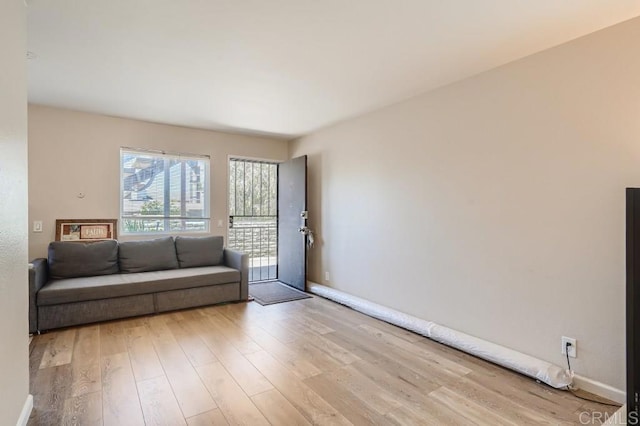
(305, 362)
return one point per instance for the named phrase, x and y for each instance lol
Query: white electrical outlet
(326, 275)
(37, 226)
(573, 349)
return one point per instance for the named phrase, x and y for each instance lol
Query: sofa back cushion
(199, 251)
(149, 255)
(75, 259)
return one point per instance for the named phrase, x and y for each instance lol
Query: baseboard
(600, 389)
(584, 383)
(26, 411)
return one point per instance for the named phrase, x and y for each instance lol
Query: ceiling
(281, 67)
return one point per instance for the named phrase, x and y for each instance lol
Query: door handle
(304, 230)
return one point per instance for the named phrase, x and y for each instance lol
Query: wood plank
(306, 401)
(236, 406)
(134, 322)
(177, 315)
(278, 410)
(596, 414)
(112, 338)
(49, 387)
(412, 390)
(245, 313)
(396, 378)
(144, 360)
(284, 334)
(306, 324)
(377, 349)
(83, 410)
(189, 390)
(319, 359)
(332, 313)
(502, 405)
(351, 406)
(384, 361)
(526, 392)
(59, 351)
(85, 370)
(471, 362)
(210, 418)
(37, 348)
(285, 354)
(120, 404)
(243, 343)
(516, 387)
(441, 363)
(376, 397)
(245, 374)
(332, 349)
(431, 413)
(473, 411)
(212, 310)
(192, 345)
(159, 405)
(357, 344)
(334, 319)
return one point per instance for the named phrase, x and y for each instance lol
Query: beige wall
(72, 152)
(496, 205)
(14, 327)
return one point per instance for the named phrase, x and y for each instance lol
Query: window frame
(159, 154)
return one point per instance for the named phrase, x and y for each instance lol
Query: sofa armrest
(38, 277)
(240, 261)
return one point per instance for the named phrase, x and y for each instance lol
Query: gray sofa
(82, 283)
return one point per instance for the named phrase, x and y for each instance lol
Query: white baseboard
(600, 389)
(26, 411)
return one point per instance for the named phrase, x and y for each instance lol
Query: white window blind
(162, 192)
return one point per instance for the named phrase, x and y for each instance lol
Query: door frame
(227, 187)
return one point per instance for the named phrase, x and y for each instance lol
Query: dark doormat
(271, 292)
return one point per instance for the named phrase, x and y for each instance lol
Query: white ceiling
(282, 67)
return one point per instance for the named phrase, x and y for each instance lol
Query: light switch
(219, 223)
(37, 226)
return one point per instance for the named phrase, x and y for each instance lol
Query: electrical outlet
(573, 349)
(326, 275)
(37, 226)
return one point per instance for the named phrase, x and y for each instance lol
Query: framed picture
(86, 229)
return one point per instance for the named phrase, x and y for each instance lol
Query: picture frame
(86, 230)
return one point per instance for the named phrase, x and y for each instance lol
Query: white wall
(496, 205)
(14, 327)
(72, 152)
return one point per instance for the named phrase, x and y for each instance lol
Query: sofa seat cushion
(118, 285)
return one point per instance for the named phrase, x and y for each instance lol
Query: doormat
(272, 292)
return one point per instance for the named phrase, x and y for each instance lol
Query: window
(163, 193)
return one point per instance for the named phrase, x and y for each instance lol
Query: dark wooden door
(633, 306)
(292, 223)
